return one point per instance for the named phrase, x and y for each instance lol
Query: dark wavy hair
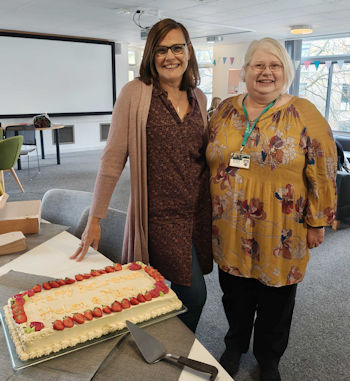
(148, 72)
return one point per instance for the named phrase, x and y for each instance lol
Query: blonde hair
(274, 47)
(215, 102)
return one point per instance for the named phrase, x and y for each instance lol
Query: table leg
(19, 167)
(58, 147)
(42, 145)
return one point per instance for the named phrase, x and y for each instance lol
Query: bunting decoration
(328, 64)
(317, 64)
(307, 64)
(217, 60)
(340, 63)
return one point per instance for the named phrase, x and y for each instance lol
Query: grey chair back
(65, 206)
(112, 233)
(28, 133)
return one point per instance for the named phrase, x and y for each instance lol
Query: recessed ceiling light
(212, 39)
(301, 29)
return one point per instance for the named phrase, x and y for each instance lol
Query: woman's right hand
(90, 237)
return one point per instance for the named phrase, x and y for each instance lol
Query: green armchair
(9, 151)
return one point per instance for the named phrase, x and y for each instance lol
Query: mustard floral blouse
(260, 214)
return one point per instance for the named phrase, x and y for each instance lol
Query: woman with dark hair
(159, 122)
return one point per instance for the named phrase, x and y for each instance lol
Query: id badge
(240, 160)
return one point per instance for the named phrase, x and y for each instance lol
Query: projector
(144, 34)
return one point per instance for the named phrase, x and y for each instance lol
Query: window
(328, 85)
(204, 59)
(134, 60)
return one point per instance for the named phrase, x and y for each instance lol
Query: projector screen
(60, 76)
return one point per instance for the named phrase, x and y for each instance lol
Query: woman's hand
(90, 237)
(314, 237)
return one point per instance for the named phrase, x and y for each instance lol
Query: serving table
(114, 359)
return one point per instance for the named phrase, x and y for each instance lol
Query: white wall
(220, 71)
(86, 128)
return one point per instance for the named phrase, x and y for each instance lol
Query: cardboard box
(12, 243)
(21, 216)
(3, 199)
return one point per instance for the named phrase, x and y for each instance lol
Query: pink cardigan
(127, 137)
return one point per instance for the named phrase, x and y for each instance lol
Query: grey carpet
(319, 345)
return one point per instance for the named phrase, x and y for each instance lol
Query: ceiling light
(301, 29)
(212, 39)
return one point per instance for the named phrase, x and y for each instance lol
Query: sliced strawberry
(21, 318)
(79, 277)
(68, 322)
(16, 308)
(29, 292)
(61, 282)
(37, 288)
(125, 303)
(38, 325)
(58, 325)
(116, 307)
(46, 286)
(97, 312)
(117, 266)
(148, 296)
(95, 273)
(141, 298)
(134, 266)
(69, 280)
(134, 301)
(109, 269)
(54, 284)
(106, 310)
(155, 292)
(88, 315)
(102, 271)
(148, 269)
(79, 318)
(87, 276)
(162, 286)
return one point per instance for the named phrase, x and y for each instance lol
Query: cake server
(153, 351)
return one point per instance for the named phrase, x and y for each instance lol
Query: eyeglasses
(176, 49)
(259, 68)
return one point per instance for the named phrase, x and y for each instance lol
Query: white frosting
(56, 303)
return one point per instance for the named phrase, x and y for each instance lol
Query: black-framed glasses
(260, 67)
(176, 49)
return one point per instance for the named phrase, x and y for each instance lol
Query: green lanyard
(249, 128)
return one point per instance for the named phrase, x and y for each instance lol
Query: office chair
(65, 206)
(29, 140)
(112, 233)
(9, 152)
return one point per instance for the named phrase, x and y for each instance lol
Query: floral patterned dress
(260, 214)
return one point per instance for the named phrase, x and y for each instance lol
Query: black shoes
(270, 374)
(230, 362)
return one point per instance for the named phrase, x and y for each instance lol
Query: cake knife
(153, 351)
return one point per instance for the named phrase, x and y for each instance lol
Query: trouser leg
(239, 304)
(194, 296)
(272, 324)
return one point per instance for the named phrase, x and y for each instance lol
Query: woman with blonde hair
(214, 104)
(273, 164)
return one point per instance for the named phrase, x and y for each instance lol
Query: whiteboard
(63, 77)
